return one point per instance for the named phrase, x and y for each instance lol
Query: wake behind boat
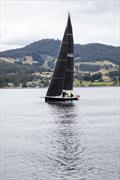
(61, 85)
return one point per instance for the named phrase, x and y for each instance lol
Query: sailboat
(61, 85)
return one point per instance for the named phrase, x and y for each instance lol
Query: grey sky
(26, 21)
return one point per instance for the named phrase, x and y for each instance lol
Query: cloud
(23, 22)
(100, 7)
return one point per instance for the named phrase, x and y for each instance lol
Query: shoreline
(47, 87)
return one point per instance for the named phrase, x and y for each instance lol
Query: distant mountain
(89, 52)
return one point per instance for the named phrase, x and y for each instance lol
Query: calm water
(40, 141)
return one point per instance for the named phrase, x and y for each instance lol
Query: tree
(96, 77)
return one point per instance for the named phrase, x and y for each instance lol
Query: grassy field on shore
(95, 83)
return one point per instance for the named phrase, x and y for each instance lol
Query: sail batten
(63, 73)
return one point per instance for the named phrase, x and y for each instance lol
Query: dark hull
(60, 99)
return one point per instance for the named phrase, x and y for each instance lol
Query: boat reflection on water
(67, 149)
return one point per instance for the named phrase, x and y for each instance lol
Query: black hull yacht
(61, 85)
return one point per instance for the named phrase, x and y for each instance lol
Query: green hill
(88, 52)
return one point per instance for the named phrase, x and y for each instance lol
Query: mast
(68, 83)
(63, 73)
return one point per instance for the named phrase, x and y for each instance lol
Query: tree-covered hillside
(88, 52)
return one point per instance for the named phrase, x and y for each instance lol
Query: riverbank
(95, 83)
(76, 84)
